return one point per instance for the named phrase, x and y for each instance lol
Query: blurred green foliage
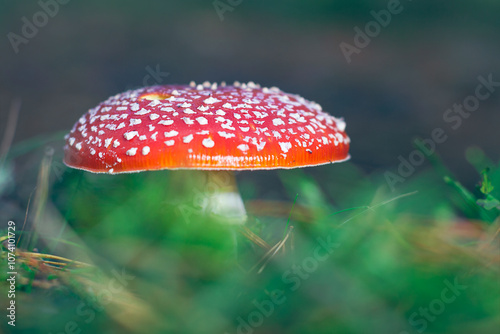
(357, 257)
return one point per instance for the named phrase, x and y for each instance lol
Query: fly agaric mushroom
(206, 127)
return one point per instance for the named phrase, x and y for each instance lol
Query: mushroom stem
(223, 198)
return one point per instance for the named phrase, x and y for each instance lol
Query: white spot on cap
(135, 121)
(208, 142)
(228, 125)
(132, 151)
(172, 133)
(78, 146)
(120, 126)
(166, 122)
(153, 116)
(260, 145)
(310, 128)
(278, 122)
(130, 135)
(211, 100)
(203, 108)
(92, 151)
(116, 143)
(259, 114)
(340, 138)
(226, 135)
(142, 112)
(285, 146)
(244, 129)
(187, 120)
(170, 142)
(220, 112)
(187, 139)
(154, 103)
(71, 141)
(298, 117)
(185, 105)
(145, 150)
(107, 142)
(135, 107)
(143, 137)
(202, 120)
(111, 171)
(341, 124)
(243, 147)
(189, 111)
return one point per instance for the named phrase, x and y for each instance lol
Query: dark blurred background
(62, 57)
(395, 89)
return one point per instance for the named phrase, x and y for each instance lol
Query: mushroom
(207, 127)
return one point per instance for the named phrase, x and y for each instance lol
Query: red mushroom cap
(205, 127)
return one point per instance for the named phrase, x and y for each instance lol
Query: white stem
(224, 200)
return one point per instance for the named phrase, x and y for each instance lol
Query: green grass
(349, 255)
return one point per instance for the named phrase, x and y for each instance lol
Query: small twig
(273, 253)
(270, 253)
(254, 238)
(63, 261)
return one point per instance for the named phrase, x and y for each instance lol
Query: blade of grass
(290, 215)
(10, 130)
(378, 205)
(470, 200)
